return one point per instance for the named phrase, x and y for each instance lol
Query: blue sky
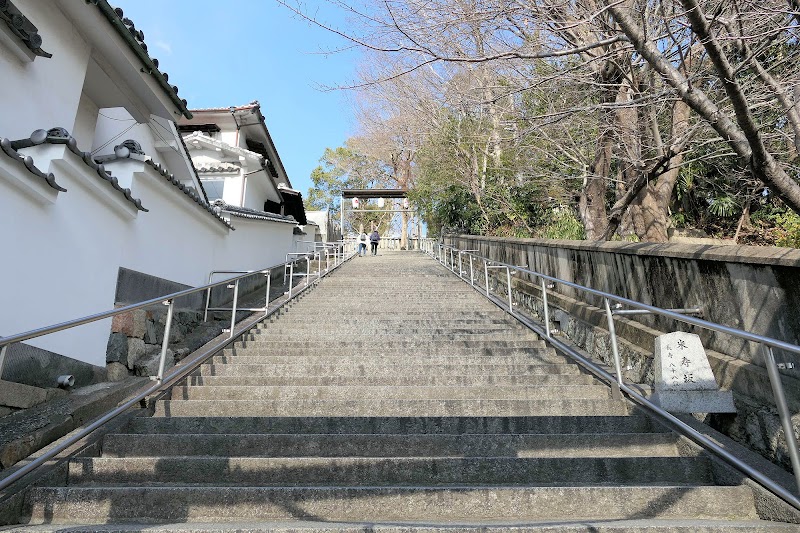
(223, 53)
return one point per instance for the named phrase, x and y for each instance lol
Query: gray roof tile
(49, 178)
(22, 27)
(131, 149)
(62, 136)
(254, 214)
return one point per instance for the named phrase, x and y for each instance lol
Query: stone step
(384, 337)
(489, 311)
(367, 392)
(430, 345)
(533, 351)
(419, 380)
(219, 504)
(432, 526)
(636, 422)
(384, 369)
(380, 407)
(324, 357)
(397, 322)
(420, 328)
(391, 445)
(394, 471)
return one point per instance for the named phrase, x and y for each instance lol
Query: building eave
(135, 40)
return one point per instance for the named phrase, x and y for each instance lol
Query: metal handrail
(31, 334)
(162, 385)
(772, 369)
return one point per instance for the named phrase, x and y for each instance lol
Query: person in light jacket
(373, 240)
(362, 244)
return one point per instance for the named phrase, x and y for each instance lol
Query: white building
(95, 179)
(329, 230)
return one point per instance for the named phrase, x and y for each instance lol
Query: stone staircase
(392, 397)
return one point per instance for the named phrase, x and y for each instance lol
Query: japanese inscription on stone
(684, 382)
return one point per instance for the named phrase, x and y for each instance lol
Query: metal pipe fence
(163, 383)
(612, 302)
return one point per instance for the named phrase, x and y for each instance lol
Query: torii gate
(366, 194)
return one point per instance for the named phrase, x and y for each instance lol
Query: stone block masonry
(625, 268)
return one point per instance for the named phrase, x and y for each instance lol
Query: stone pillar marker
(684, 381)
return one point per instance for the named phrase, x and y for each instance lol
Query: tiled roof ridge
(135, 39)
(62, 136)
(223, 166)
(22, 27)
(131, 149)
(251, 105)
(246, 212)
(196, 135)
(49, 178)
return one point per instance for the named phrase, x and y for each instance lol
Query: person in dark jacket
(373, 241)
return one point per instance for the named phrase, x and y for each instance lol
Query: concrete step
(219, 504)
(430, 345)
(394, 471)
(324, 358)
(384, 337)
(636, 422)
(391, 445)
(408, 330)
(380, 407)
(317, 313)
(394, 321)
(532, 350)
(432, 526)
(384, 369)
(547, 380)
(367, 392)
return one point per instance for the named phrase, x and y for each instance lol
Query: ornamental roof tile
(131, 149)
(251, 105)
(245, 212)
(49, 177)
(215, 168)
(22, 28)
(62, 136)
(199, 137)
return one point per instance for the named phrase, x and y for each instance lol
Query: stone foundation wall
(134, 346)
(756, 423)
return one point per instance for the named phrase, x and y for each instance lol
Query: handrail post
(319, 265)
(486, 275)
(510, 301)
(235, 304)
(268, 273)
(460, 269)
(3, 352)
(291, 278)
(546, 310)
(613, 335)
(308, 269)
(165, 341)
(471, 272)
(783, 411)
(208, 298)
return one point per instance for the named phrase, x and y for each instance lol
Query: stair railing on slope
(445, 254)
(163, 383)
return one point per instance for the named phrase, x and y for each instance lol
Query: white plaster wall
(68, 252)
(232, 193)
(114, 127)
(64, 264)
(43, 93)
(256, 193)
(85, 122)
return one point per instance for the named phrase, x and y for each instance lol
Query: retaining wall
(752, 288)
